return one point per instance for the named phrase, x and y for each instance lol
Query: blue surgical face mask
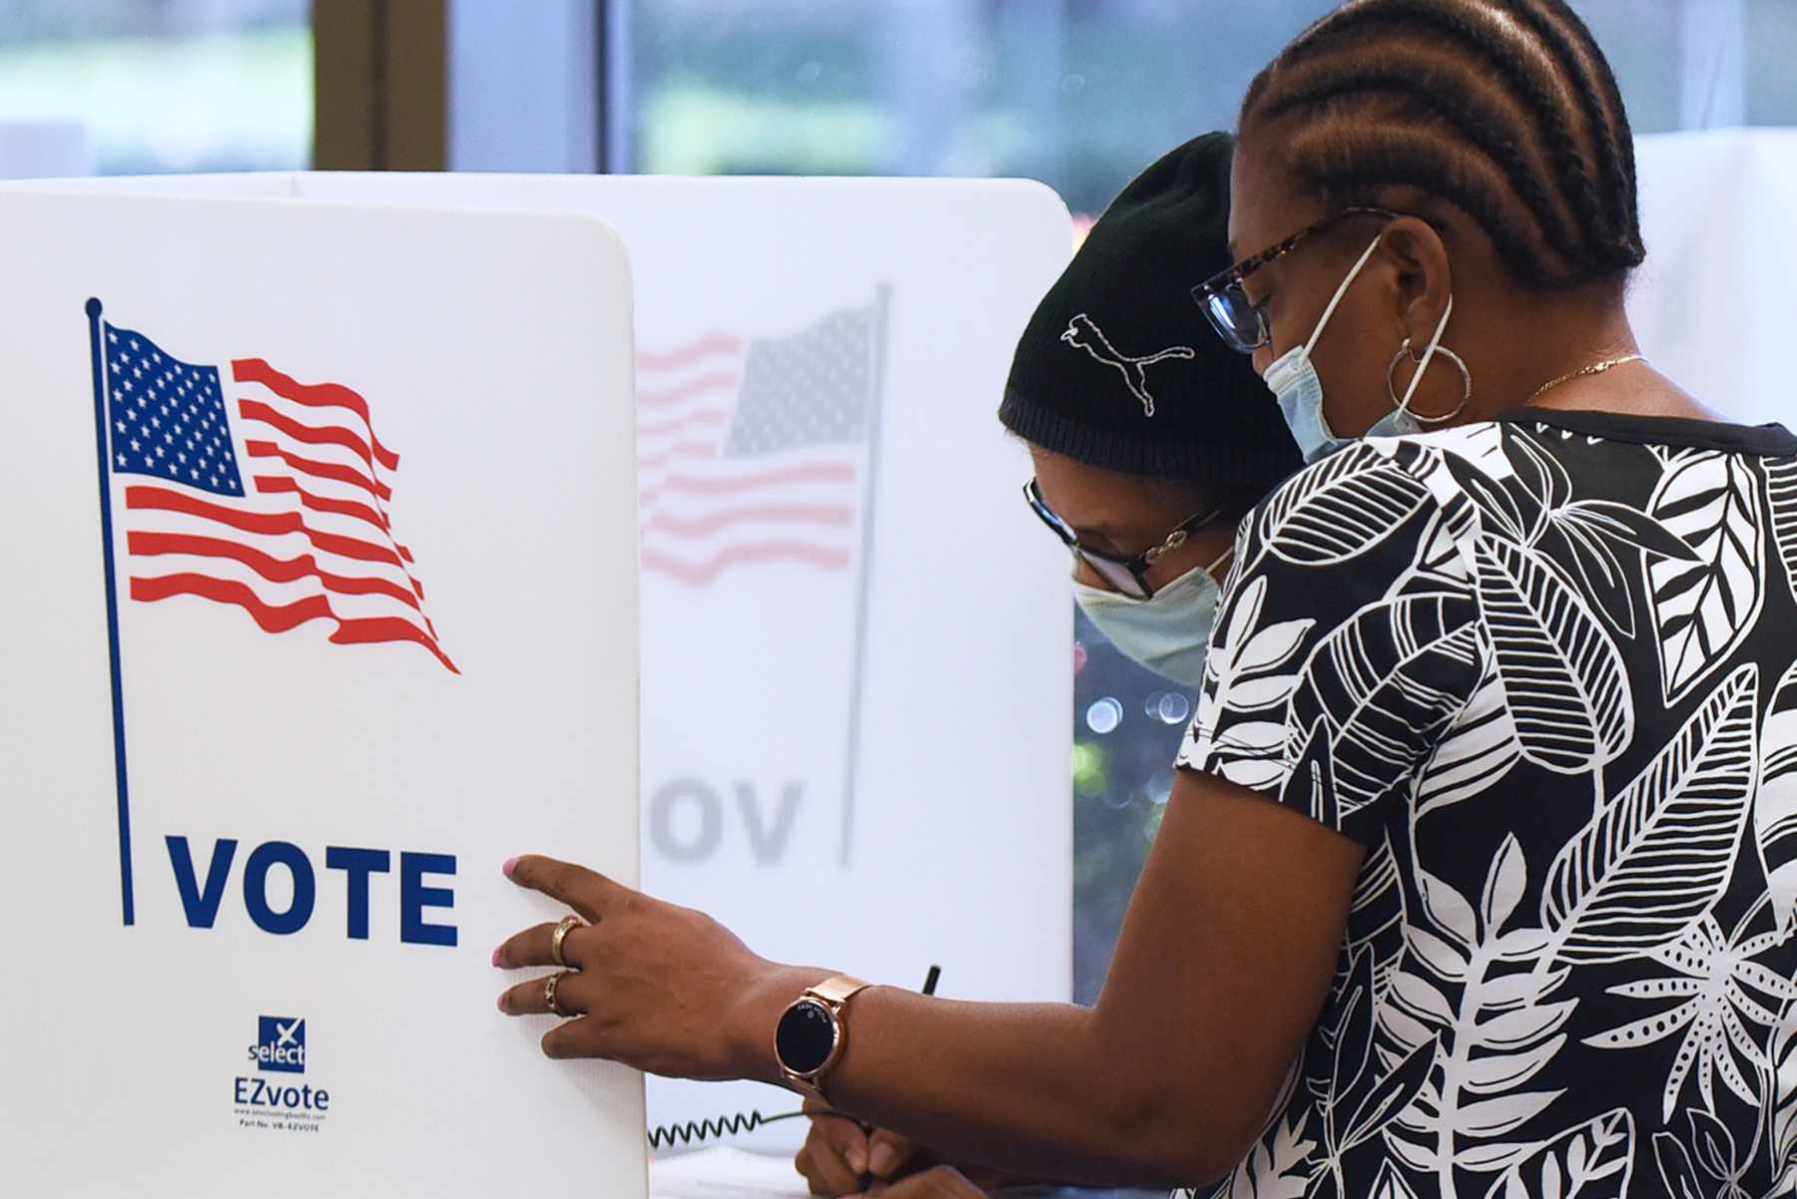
(1169, 632)
(1294, 382)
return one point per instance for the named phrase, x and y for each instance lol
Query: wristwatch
(812, 1034)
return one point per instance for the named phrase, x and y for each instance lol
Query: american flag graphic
(310, 538)
(752, 450)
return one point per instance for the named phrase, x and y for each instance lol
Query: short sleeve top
(1545, 670)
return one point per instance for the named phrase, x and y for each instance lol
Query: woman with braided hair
(1538, 601)
(1479, 877)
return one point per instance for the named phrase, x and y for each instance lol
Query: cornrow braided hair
(1506, 109)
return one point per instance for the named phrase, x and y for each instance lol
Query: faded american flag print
(752, 450)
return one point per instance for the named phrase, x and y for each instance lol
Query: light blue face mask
(1294, 382)
(1169, 632)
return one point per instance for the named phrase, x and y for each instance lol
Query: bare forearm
(1028, 1089)
(1222, 968)
(1011, 1086)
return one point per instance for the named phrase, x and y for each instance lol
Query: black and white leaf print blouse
(1545, 669)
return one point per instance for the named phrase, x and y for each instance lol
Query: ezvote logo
(280, 1046)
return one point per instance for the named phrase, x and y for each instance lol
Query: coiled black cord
(703, 1130)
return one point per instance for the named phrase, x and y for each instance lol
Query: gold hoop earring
(1466, 383)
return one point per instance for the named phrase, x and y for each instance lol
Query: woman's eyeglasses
(1127, 575)
(1239, 321)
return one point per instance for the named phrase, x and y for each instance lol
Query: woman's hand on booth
(1224, 962)
(655, 986)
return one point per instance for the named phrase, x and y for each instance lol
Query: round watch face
(806, 1035)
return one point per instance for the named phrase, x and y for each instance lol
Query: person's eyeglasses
(1239, 321)
(1128, 575)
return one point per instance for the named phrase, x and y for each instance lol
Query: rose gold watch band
(837, 991)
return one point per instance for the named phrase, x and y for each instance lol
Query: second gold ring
(549, 1000)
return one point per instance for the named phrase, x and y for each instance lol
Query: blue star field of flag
(812, 388)
(168, 417)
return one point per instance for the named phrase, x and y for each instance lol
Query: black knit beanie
(1119, 368)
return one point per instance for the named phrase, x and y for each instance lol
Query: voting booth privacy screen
(375, 575)
(305, 549)
(856, 674)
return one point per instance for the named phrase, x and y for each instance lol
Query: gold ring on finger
(568, 925)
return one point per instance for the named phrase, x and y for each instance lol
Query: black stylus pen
(929, 988)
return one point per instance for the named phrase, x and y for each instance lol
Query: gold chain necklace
(1596, 368)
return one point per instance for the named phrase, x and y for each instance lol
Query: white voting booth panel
(856, 683)
(856, 688)
(367, 474)
(1715, 303)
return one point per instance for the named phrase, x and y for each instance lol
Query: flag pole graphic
(857, 677)
(97, 347)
